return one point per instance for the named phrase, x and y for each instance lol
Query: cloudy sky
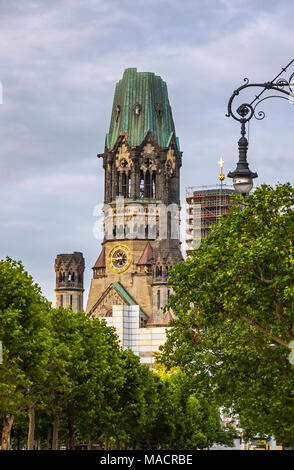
(60, 61)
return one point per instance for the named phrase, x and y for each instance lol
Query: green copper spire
(141, 104)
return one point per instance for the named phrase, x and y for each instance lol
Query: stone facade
(69, 269)
(141, 162)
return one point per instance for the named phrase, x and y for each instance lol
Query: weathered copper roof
(146, 255)
(100, 263)
(140, 105)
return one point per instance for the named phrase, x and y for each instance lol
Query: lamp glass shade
(242, 184)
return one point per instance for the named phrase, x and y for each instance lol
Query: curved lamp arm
(242, 175)
(245, 111)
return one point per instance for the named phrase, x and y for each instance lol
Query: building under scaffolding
(204, 205)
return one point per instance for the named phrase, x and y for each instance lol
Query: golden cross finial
(221, 162)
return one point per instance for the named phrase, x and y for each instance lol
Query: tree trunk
(31, 433)
(55, 433)
(6, 431)
(48, 441)
(71, 434)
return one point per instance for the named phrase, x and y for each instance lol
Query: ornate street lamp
(242, 175)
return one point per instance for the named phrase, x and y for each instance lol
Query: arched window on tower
(141, 183)
(166, 271)
(124, 184)
(129, 186)
(169, 225)
(158, 299)
(148, 184)
(158, 271)
(153, 184)
(117, 184)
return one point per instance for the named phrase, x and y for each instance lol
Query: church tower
(142, 162)
(69, 269)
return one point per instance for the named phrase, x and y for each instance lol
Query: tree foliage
(65, 380)
(233, 299)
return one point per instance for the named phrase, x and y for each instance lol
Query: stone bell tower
(69, 290)
(141, 162)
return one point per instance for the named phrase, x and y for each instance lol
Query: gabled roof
(146, 255)
(123, 293)
(140, 105)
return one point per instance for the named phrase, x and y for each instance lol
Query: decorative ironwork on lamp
(242, 175)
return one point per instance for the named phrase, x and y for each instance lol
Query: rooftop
(140, 105)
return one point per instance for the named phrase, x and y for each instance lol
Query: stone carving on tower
(141, 162)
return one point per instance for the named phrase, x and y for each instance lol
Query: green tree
(194, 418)
(26, 346)
(86, 351)
(121, 421)
(234, 306)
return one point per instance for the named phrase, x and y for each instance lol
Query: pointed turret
(146, 255)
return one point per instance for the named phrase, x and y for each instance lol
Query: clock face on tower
(119, 258)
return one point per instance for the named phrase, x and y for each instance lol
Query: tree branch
(265, 330)
(279, 311)
(261, 278)
(289, 398)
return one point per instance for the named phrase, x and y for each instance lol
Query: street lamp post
(242, 175)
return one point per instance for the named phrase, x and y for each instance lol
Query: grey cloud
(60, 62)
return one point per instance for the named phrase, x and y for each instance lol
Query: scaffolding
(204, 205)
